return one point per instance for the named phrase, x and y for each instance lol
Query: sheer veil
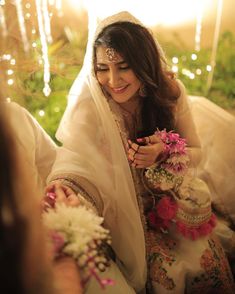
(95, 151)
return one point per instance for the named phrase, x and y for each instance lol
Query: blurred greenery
(222, 90)
(66, 56)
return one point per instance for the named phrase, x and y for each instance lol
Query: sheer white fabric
(186, 127)
(216, 129)
(38, 148)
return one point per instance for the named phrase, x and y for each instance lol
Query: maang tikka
(111, 54)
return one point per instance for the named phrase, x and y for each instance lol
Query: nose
(113, 78)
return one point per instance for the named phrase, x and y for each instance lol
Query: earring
(142, 91)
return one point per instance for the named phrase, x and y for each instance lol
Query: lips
(119, 90)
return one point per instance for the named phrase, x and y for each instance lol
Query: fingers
(133, 150)
(58, 193)
(149, 139)
(145, 156)
(73, 200)
(66, 195)
(50, 187)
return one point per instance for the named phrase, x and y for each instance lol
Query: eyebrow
(118, 63)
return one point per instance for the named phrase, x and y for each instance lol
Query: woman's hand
(145, 156)
(66, 276)
(59, 193)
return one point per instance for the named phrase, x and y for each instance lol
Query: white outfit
(216, 129)
(35, 144)
(93, 159)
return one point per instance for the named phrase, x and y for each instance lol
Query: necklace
(132, 118)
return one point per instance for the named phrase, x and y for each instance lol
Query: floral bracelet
(78, 232)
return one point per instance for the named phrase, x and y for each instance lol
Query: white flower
(78, 225)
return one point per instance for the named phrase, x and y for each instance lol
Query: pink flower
(205, 229)
(166, 208)
(156, 222)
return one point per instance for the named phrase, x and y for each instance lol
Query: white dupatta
(93, 149)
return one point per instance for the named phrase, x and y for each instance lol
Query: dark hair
(12, 233)
(137, 46)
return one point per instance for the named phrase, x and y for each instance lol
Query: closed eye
(124, 67)
(101, 69)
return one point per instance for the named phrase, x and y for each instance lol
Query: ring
(134, 154)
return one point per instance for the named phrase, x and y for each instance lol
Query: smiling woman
(115, 75)
(123, 93)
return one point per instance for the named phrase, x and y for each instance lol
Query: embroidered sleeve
(88, 195)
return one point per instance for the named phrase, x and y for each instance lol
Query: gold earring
(142, 91)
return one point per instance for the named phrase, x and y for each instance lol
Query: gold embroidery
(74, 182)
(159, 249)
(193, 217)
(217, 276)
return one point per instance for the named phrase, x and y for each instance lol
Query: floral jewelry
(111, 53)
(77, 232)
(168, 173)
(173, 194)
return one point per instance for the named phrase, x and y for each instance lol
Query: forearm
(66, 276)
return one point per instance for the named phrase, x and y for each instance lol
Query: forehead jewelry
(111, 54)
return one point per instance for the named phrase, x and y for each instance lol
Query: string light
(6, 57)
(174, 68)
(46, 19)
(13, 61)
(192, 76)
(199, 25)
(10, 72)
(22, 25)
(46, 89)
(198, 71)
(175, 60)
(209, 67)
(215, 44)
(58, 5)
(3, 21)
(10, 82)
(41, 113)
(27, 15)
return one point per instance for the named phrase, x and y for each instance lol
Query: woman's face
(115, 75)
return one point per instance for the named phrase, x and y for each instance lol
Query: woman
(25, 263)
(122, 95)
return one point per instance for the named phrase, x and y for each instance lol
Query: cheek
(132, 79)
(101, 78)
